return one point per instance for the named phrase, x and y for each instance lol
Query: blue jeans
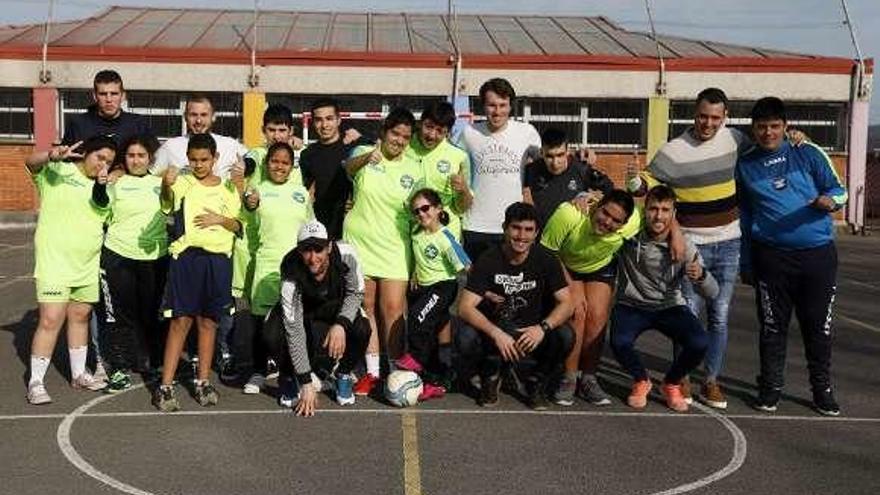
(722, 261)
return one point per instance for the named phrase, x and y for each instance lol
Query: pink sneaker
(409, 363)
(431, 391)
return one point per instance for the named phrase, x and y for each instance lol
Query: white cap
(312, 230)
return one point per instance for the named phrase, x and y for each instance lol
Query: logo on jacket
(406, 181)
(299, 197)
(774, 161)
(779, 183)
(444, 167)
(431, 251)
(572, 185)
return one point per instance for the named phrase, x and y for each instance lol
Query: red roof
(387, 39)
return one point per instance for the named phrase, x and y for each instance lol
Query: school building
(616, 90)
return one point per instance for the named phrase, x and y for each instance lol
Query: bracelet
(545, 327)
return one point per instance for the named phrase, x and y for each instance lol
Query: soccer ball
(402, 388)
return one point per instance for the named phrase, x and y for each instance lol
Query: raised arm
(58, 153)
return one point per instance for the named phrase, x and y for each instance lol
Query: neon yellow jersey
(438, 256)
(438, 165)
(283, 209)
(379, 223)
(70, 229)
(570, 234)
(136, 225)
(192, 198)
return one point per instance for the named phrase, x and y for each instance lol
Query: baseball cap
(312, 233)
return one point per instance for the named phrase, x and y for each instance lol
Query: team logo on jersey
(431, 251)
(779, 183)
(299, 197)
(406, 181)
(572, 185)
(774, 161)
(444, 166)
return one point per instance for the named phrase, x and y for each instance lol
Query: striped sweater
(702, 175)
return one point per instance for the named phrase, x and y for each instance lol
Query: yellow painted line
(412, 477)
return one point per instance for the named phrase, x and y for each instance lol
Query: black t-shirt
(549, 191)
(125, 125)
(527, 288)
(323, 166)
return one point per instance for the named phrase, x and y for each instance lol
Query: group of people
(494, 256)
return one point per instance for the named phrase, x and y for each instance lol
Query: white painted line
(861, 284)
(860, 324)
(10, 247)
(13, 417)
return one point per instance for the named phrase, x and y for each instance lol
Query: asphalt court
(93, 443)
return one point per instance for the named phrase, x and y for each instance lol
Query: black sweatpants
(478, 353)
(803, 281)
(428, 313)
(275, 341)
(132, 333)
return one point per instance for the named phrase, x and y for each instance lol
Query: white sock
(39, 366)
(77, 360)
(373, 364)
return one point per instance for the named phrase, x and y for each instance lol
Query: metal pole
(861, 83)
(456, 53)
(254, 79)
(661, 83)
(45, 74)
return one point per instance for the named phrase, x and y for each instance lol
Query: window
(16, 114)
(600, 124)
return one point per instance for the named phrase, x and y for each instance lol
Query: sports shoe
(366, 384)
(489, 386)
(37, 394)
(823, 401)
(205, 394)
(118, 382)
(512, 384)
(271, 369)
(686, 390)
(537, 399)
(228, 372)
(165, 398)
(431, 391)
(564, 394)
(638, 396)
(287, 391)
(254, 384)
(86, 381)
(712, 396)
(674, 397)
(590, 390)
(345, 390)
(767, 399)
(100, 373)
(409, 363)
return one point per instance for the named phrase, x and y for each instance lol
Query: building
(602, 83)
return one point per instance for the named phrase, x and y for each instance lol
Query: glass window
(16, 114)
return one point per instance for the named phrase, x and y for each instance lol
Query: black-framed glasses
(420, 209)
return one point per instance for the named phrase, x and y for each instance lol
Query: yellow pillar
(658, 124)
(254, 105)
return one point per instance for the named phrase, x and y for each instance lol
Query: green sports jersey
(379, 223)
(438, 256)
(570, 233)
(438, 165)
(191, 199)
(136, 225)
(283, 209)
(70, 229)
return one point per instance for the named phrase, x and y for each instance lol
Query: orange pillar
(45, 117)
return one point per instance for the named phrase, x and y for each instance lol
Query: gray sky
(806, 26)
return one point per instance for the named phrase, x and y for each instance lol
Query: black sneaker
(205, 394)
(767, 399)
(823, 401)
(228, 372)
(537, 398)
(165, 398)
(489, 386)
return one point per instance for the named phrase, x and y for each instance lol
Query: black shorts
(199, 284)
(607, 274)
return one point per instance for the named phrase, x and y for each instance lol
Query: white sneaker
(100, 373)
(88, 382)
(254, 384)
(37, 394)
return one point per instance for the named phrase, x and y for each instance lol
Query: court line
(412, 476)
(861, 284)
(858, 323)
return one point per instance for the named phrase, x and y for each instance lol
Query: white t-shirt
(173, 152)
(497, 165)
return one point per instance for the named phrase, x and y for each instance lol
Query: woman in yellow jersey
(378, 226)
(134, 262)
(67, 247)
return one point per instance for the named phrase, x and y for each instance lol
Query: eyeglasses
(420, 209)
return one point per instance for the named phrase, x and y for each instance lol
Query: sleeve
(529, 175)
(353, 300)
(456, 254)
(466, 168)
(295, 330)
(561, 223)
(708, 287)
(596, 179)
(180, 187)
(825, 176)
(233, 200)
(745, 222)
(99, 195)
(305, 168)
(743, 142)
(479, 279)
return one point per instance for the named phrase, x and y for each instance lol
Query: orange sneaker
(366, 384)
(638, 397)
(674, 398)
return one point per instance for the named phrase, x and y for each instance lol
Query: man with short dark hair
(499, 148)
(516, 303)
(105, 117)
(559, 176)
(786, 197)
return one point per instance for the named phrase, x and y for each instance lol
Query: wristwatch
(545, 326)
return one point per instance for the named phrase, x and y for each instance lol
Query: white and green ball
(402, 388)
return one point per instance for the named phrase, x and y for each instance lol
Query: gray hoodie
(648, 279)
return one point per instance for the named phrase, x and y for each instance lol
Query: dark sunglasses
(421, 209)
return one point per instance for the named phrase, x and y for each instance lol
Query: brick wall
(17, 192)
